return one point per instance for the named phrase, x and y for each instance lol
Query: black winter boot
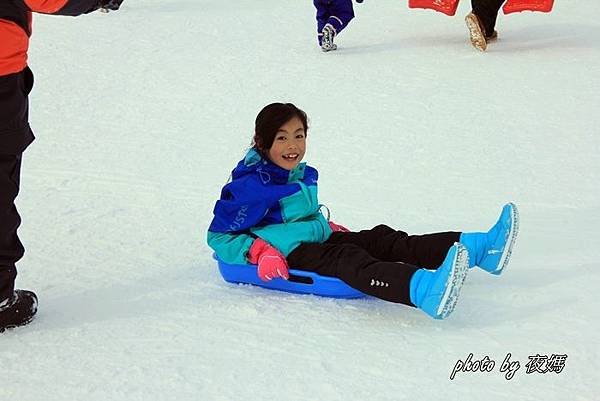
(18, 310)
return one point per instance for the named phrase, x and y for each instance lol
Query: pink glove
(337, 227)
(271, 263)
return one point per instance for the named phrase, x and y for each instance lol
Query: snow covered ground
(141, 114)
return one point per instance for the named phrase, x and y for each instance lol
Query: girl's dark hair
(270, 119)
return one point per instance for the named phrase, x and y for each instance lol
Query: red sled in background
(449, 7)
(515, 6)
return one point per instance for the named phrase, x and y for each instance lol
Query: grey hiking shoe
(477, 32)
(327, 44)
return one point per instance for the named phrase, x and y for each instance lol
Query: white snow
(141, 114)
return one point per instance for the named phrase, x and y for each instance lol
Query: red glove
(271, 263)
(337, 227)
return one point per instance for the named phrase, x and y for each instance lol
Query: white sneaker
(327, 44)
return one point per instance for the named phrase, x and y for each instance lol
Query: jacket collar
(270, 172)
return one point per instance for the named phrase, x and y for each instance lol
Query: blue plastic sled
(300, 282)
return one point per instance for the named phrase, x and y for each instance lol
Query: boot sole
(512, 236)
(475, 33)
(14, 326)
(455, 281)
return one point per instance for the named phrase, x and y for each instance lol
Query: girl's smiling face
(289, 145)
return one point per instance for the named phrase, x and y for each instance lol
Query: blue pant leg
(323, 14)
(341, 14)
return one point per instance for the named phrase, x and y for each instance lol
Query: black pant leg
(15, 136)
(353, 265)
(386, 244)
(11, 249)
(487, 11)
(15, 133)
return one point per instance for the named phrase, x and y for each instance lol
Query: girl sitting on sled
(269, 215)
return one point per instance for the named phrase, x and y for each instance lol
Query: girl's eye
(281, 138)
(300, 136)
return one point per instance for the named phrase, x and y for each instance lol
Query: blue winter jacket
(266, 201)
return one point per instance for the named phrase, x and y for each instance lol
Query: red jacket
(15, 26)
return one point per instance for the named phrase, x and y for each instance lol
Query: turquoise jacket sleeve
(230, 247)
(286, 237)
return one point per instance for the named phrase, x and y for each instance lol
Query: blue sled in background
(300, 282)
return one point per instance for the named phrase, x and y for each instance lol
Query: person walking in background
(333, 16)
(481, 22)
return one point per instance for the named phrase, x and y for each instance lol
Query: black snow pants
(487, 11)
(15, 136)
(378, 262)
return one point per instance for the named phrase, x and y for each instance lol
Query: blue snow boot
(436, 291)
(491, 251)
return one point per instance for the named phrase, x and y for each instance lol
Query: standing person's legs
(487, 11)
(386, 244)
(16, 307)
(15, 136)
(342, 13)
